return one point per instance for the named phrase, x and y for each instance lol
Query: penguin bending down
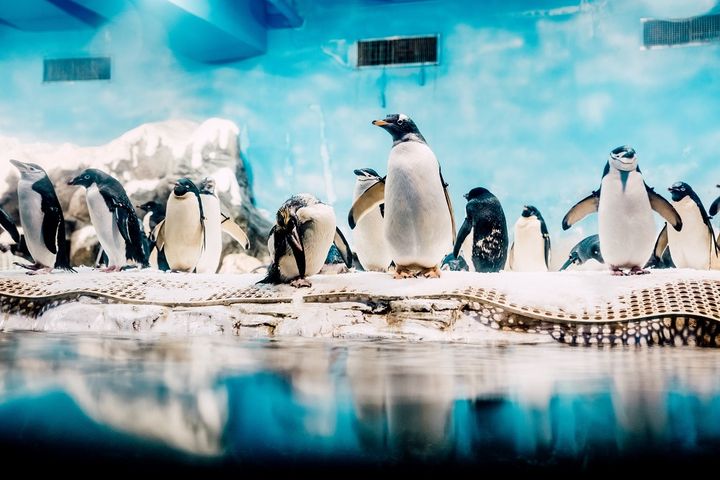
(42, 220)
(624, 204)
(215, 224)
(368, 236)
(181, 235)
(695, 245)
(486, 219)
(586, 249)
(112, 214)
(300, 240)
(419, 225)
(530, 251)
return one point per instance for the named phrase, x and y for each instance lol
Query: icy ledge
(459, 307)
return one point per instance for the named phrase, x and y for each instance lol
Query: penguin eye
(400, 121)
(86, 177)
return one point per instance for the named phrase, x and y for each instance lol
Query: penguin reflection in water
(624, 204)
(42, 220)
(419, 226)
(112, 214)
(300, 240)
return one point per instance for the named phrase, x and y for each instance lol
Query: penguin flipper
(294, 239)
(664, 208)
(714, 207)
(9, 226)
(370, 199)
(158, 235)
(582, 209)
(450, 207)
(465, 230)
(511, 257)
(343, 247)
(235, 231)
(571, 259)
(661, 245)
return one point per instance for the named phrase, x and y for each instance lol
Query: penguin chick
(300, 240)
(586, 249)
(42, 220)
(112, 214)
(624, 203)
(530, 251)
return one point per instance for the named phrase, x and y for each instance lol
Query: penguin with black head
(586, 249)
(530, 251)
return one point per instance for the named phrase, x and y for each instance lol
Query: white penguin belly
(369, 242)
(209, 260)
(31, 219)
(106, 228)
(528, 246)
(418, 229)
(625, 221)
(183, 235)
(690, 247)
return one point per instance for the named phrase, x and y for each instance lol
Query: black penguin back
(490, 232)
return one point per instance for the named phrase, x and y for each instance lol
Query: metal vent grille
(688, 31)
(398, 51)
(76, 69)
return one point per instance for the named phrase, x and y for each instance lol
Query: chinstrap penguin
(42, 219)
(624, 204)
(695, 245)
(586, 249)
(485, 218)
(530, 251)
(368, 236)
(118, 227)
(300, 240)
(419, 225)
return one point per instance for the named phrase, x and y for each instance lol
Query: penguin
(215, 224)
(661, 257)
(42, 220)
(18, 247)
(530, 250)
(154, 215)
(587, 249)
(181, 234)
(419, 225)
(368, 237)
(624, 203)
(694, 246)
(486, 219)
(300, 240)
(112, 214)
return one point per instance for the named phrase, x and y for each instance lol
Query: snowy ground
(170, 297)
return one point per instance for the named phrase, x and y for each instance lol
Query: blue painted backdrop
(528, 99)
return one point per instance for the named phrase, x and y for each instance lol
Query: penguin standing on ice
(112, 214)
(485, 218)
(695, 245)
(368, 236)
(624, 204)
(215, 224)
(42, 219)
(300, 240)
(530, 251)
(586, 249)
(154, 214)
(419, 224)
(181, 235)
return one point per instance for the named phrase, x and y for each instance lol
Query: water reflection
(231, 401)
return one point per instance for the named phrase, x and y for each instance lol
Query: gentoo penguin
(181, 235)
(419, 224)
(486, 219)
(695, 245)
(42, 220)
(530, 250)
(368, 236)
(112, 214)
(215, 223)
(624, 204)
(587, 249)
(300, 240)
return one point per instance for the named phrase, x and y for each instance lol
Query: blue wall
(528, 99)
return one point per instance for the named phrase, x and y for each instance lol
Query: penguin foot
(301, 283)
(40, 271)
(638, 271)
(404, 272)
(617, 271)
(433, 272)
(112, 269)
(32, 266)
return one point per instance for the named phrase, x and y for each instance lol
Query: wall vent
(687, 31)
(76, 69)
(402, 51)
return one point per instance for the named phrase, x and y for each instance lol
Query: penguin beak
(19, 165)
(380, 123)
(73, 181)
